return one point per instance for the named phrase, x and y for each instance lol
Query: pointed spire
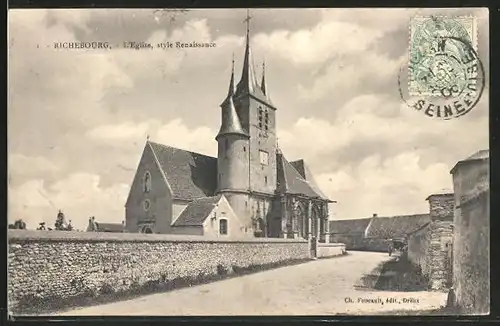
(232, 89)
(230, 121)
(263, 85)
(248, 81)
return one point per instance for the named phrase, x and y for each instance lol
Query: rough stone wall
(429, 248)
(56, 266)
(441, 207)
(439, 266)
(471, 260)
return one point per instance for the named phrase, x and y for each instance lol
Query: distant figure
(92, 227)
(391, 248)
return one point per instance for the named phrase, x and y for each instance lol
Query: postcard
(238, 162)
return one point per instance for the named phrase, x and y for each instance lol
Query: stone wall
(326, 250)
(52, 266)
(441, 206)
(471, 256)
(419, 249)
(430, 249)
(357, 241)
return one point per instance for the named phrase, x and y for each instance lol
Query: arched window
(147, 181)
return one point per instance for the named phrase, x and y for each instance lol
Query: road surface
(319, 287)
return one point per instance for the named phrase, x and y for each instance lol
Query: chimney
(374, 215)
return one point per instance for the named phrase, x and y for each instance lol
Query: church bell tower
(246, 159)
(233, 156)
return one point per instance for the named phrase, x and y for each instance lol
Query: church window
(264, 157)
(223, 226)
(146, 205)
(147, 181)
(244, 148)
(265, 179)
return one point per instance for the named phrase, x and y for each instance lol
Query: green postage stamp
(438, 47)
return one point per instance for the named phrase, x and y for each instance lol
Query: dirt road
(320, 287)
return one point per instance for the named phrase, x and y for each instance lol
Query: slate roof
(197, 211)
(396, 226)
(304, 171)
(349, 226)
(109, 227)
(193, 175)
(190, 175)
(291, 181)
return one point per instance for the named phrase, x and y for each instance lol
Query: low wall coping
(15, 236)
(321, 244)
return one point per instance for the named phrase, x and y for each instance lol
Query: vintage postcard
(235, 162)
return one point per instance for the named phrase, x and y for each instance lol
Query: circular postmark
(445, 81)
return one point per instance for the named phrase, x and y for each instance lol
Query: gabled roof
(291, 181)
(109, 227)
(304, 171)
(349, 226)
(190, 175)
(197, 211)
(396, 226)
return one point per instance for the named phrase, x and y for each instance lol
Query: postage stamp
(436, 55)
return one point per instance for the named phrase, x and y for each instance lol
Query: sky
(78, 119)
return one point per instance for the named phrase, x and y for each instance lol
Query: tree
(60, 224)
(19, 224)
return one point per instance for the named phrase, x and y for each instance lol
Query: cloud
(177, 134)
(123, 131)
(79, 196)
(174, 133)
(391, 186)
(368, 118)
(309, 46)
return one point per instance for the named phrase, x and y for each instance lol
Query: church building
(266, 195)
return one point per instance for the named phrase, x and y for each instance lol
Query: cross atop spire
(247, 20)
(247, 83)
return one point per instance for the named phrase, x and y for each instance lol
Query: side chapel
(250, 188)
